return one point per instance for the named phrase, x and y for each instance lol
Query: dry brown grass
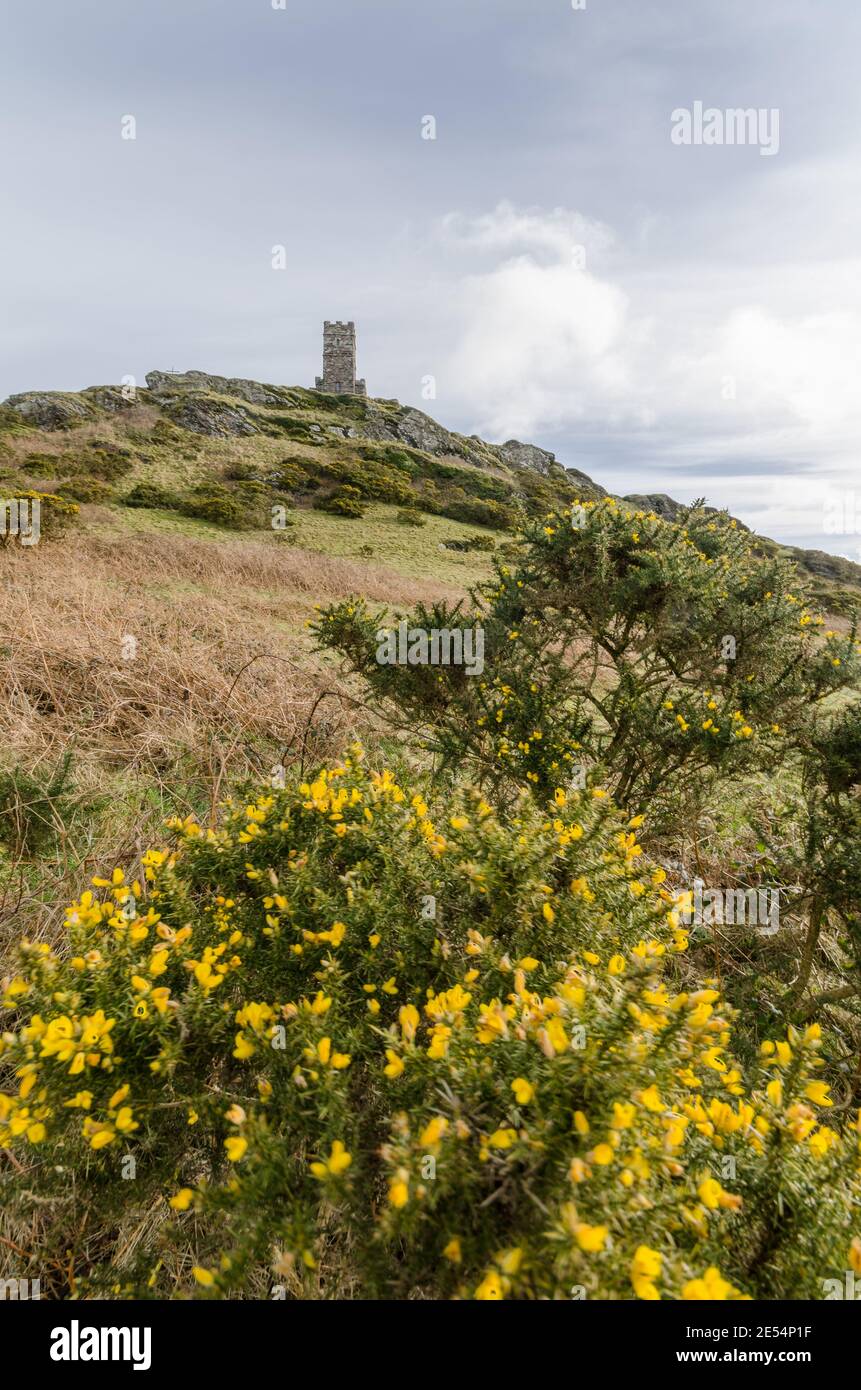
(57, 442)
(223, 684)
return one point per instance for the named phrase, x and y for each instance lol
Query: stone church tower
(339, 361)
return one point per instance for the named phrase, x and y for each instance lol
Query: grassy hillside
(224, 451)
(174, 548)
(220, 456)
(104, 737)
(189, 644)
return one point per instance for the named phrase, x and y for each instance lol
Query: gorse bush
(220, 505)
(84, 489)
(480, 512)
(818, 845)
(151, 495)
(372, 480)
(56, 515)
(660, 654)
(245, 505)
(352, 1045)
(344, 501)
(39, 465)
(104, 460)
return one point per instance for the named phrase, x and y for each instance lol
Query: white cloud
(538, 344)
(805, 369)
(508, 228)
(541, 339)
(731, 368)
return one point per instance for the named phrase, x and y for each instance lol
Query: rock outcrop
(50, 410)
(208, 415)
(110, 398)
(528, 456)
(588, 487)
(255, 392)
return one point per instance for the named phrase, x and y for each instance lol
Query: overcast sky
(668, 317)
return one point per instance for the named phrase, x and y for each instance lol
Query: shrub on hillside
(355, 1046)
(244, 506)
(56, 514)
(540, 495)
(217, 504)
(344, 501)
(289, 427)
(151, 495)
(371, 479)
(407, 460)
(664, 652)
(11, 422)
(288, 474)
(464, 544)
(410, 516)
(430, 498)
(105, 460)
(40, 465)
(242, 472)
(84, 489)
(502, 516)
(164, 432)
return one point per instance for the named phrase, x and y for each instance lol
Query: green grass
(136, 521)
(409, 550)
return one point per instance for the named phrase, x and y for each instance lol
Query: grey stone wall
(339, 360)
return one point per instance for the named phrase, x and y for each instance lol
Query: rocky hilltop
(375, 447)
(217, 406)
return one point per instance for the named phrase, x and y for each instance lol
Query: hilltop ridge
(199, 431)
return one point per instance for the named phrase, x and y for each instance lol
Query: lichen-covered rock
(588, 487)
(255, 392)
(529, 456)
(50, 410)
(111, 398)
(420, 431)
(405, 425)
(410, 427)
(208, 415)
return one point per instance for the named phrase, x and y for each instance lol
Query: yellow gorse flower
(337, 1163)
